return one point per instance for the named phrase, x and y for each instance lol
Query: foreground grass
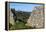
(19, 25)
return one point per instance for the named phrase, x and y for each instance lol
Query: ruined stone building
(37, 17)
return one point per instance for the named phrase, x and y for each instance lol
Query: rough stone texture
(37, 18)
(11, 18)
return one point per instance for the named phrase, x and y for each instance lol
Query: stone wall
(11, 18)
(37, 18)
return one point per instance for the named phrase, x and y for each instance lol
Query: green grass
(19, 25)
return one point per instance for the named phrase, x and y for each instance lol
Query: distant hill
(22, 15)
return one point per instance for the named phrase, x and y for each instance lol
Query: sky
(23, 7)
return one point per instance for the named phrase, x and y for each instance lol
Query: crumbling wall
(11, 18)
(37, 18)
